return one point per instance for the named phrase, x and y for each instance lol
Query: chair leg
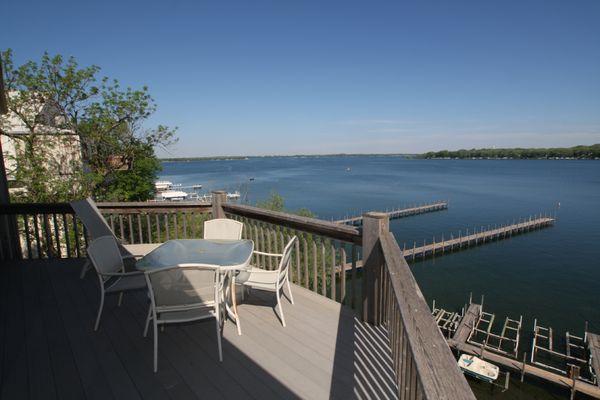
(155, 346)
(99, 309)
(120, 299)
(290, 291)
(148, 320)
(218, 326)
(84, 269)
(280, 309)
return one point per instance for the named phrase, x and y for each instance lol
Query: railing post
(218, 198)
(374, 223)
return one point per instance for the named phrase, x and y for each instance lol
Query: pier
(461, 339)
(400, 212)
(476, 238)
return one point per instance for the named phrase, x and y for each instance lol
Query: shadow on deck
(48, 348)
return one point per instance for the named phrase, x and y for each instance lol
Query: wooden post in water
(374, 224)
(219, 197)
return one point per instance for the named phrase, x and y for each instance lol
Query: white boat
(234, 195)
(173, 195)
(478, 368)
(161, 186)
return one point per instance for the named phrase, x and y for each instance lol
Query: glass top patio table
(224, 254)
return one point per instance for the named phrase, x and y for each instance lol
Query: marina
(462, 331)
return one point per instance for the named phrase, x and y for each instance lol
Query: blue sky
(286, 77)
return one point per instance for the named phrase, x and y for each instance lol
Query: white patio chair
(223, 228)
(183, 293)
(272, 281)
(108, 262)
(96, 227)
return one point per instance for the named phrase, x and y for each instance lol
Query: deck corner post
(374, 223)
(219, 197)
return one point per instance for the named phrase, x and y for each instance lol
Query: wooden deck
(49, 350)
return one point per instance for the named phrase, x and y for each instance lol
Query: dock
(477, 237)
(474, 239)
(593, 341)
(400, 212)
(461, 342)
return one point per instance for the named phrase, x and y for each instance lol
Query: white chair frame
(154, 311)
(280, 276)
(223, 228)
(108, 244)
(96, 226)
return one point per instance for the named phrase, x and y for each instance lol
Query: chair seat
(186, 315)
(131, 282)
(258, 278)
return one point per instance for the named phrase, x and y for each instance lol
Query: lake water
(551, 274)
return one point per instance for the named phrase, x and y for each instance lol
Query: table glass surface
(220, 253)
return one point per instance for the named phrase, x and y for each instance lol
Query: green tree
(275, 202)
(64, 118)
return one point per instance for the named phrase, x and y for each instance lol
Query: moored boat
(478, 368)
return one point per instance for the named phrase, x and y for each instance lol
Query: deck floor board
(49, 348)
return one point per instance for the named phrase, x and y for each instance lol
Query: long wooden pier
(400, 212)
(476, 238)
(459, 342)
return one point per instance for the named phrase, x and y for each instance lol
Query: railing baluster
(323, 270)
(140, 231)
(67, 238)
(298, 268)
(130, 223)
(37, 236)
(342, 273)
(175, 217)
(27, 238)
(333, 279)
(306, 274)
(56, 236)
(315, 275)
(76, 233)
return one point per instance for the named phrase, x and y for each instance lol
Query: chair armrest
(267, 254)
(262, 271)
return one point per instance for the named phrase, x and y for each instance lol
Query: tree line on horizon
(577, 152)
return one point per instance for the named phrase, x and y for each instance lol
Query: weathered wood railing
(424, 366)
(51, 230)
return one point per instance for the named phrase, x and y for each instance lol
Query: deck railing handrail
(122, 207)
(331, 230)
(419, 351)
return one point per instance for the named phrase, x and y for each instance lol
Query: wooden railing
(321, 250)
(51, 230)
(424, 365)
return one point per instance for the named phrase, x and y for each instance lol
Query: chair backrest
(284, 264)
(90, 216)
(184, 287)
(105, 255)
(223, 228)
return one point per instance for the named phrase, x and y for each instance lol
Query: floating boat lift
(471, 331)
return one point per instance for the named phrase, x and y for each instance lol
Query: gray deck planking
(49, 348)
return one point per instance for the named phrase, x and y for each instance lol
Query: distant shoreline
(571, 153)
(229, 158)
(557, 153)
